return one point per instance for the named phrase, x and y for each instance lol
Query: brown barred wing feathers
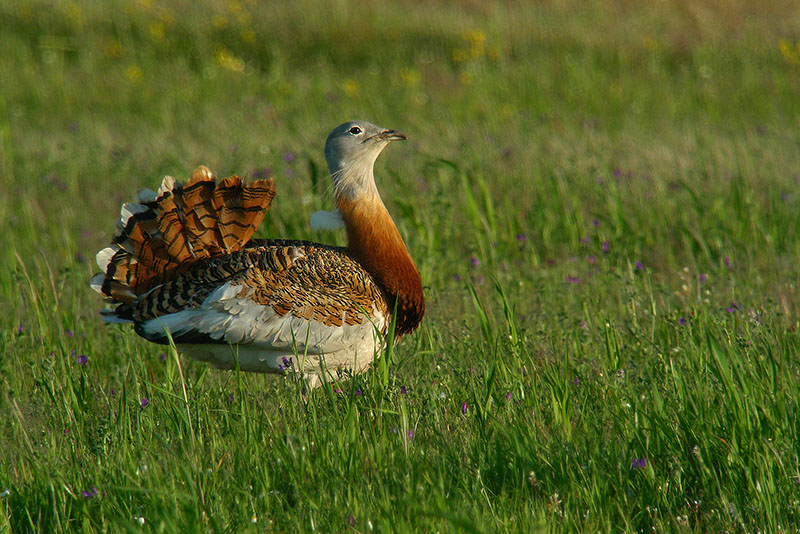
(165, 233)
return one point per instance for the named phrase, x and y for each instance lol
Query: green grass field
(603, 199)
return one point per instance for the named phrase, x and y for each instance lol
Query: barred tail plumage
(163, 233)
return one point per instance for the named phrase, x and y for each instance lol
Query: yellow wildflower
(229, 61)
(350, 87)
(477, 42)
(410, 77)
(134, 73)
(157, 31)
(475, 36)
(789, 51)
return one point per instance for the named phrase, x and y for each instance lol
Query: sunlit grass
(602, 199)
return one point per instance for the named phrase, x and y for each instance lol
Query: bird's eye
(355, 130)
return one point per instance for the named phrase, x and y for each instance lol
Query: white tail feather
(103, 257)
(166, 185)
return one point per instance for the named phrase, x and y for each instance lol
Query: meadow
(603, 200)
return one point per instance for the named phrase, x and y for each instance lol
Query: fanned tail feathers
(164, 233)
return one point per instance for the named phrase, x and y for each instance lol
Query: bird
(183, 268)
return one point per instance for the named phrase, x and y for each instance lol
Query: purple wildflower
(591, 259)
(617, 173)
(573, 279)
(682, 321)
(733, 308)
(727, 262)
(162, 356)
(595, 223)
(574, 381)
(82, 360)
(475, 261)
(551, 261)
(289, 157)
(586, 240)
(358, 393)
(230, 398)
(88, 494)
(337, 389)
(703, 278)
(20, 329)
(403, 390)
(287, 362)
(521, 237)
(144, 402)
(113, 391)
(70, 333)
(509, 396)
(639, 463)
(410, 434)
(639, 266)
(606, 247)
(464, 408)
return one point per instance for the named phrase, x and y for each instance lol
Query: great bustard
(183, 262)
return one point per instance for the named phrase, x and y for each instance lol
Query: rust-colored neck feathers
(373, 240)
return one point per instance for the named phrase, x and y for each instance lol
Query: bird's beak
(391, 135)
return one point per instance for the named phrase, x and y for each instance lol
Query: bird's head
(351, 151)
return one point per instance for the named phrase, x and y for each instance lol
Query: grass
(602, 199)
